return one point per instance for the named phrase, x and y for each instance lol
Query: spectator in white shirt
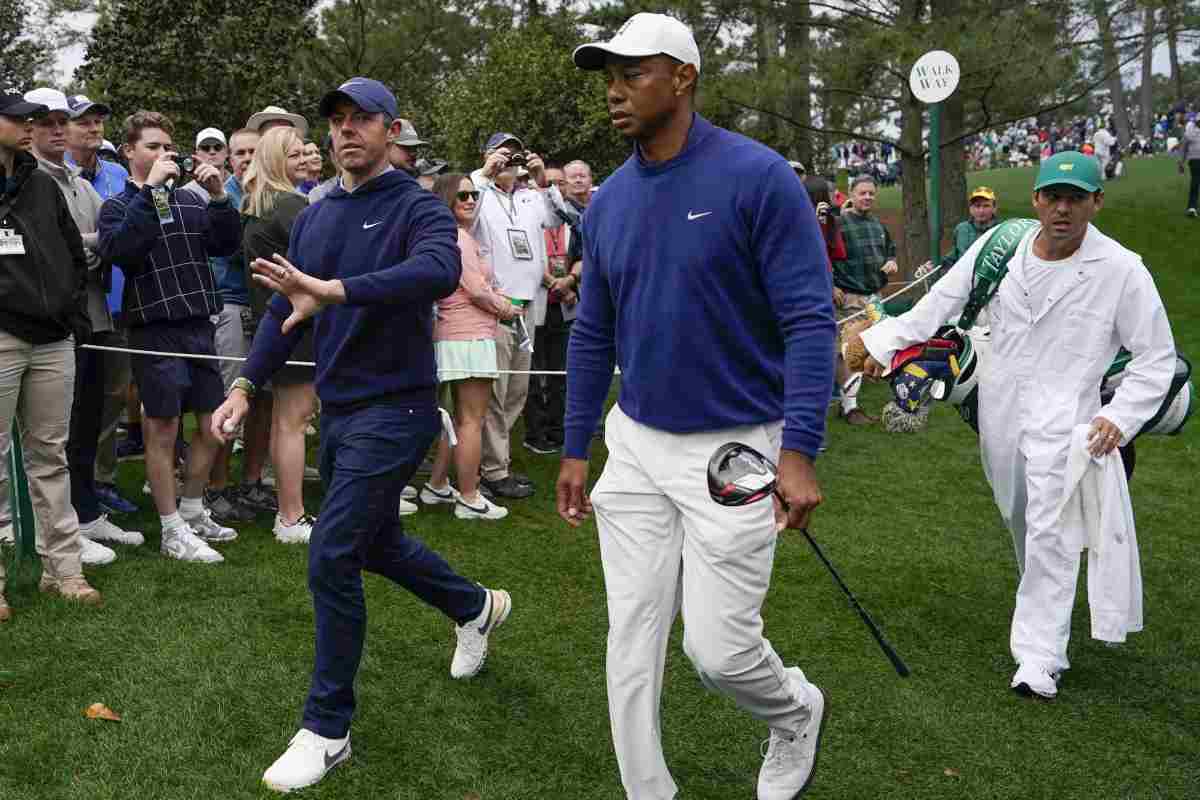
(508, 226)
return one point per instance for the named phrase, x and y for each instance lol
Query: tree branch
(812, 128)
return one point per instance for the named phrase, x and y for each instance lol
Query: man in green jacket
(983, 219)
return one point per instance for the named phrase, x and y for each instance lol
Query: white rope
(616, 371)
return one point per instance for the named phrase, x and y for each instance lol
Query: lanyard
(555, 239)
(510, 210)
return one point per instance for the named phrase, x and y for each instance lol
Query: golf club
(739, 475)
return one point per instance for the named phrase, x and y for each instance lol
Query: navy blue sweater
(705, 278)
(394, 246)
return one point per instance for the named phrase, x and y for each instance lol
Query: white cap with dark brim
(642, 36)
(211, 134)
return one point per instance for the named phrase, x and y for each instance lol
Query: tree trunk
(1146, 94)
(912, 184)
(799, 91)
(1116, 90)
(766, 38)
(1171, 10)
(912, 161)
(954, 168)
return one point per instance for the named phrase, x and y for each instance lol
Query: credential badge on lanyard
(162, 205)
(11, 243)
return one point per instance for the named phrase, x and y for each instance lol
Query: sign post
(933, 78)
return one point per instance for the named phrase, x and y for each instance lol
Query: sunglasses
(212, 148)
(465, 196)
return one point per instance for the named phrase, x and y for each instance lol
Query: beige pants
(37, 386)
(508, 400)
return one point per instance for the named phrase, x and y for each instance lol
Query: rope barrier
(205, 357)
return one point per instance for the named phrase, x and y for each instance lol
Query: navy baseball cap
(15, 105)
(80, 105)
(369, 95)
(497, 139)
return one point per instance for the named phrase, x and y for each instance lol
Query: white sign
(934, 77)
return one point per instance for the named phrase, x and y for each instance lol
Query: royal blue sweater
(705, 279)
(394, 246)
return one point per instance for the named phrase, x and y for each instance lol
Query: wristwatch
(245, 384)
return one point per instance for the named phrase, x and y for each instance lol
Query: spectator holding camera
(87, 409)
(827, 217)
(269, 210)
(163, 236)
(508, 226)
(43, 303)
(464, 340)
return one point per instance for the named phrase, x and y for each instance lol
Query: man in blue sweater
(372, 257)
(705, 278)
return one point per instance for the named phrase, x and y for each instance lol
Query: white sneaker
(101, 530)
(480, 508)
(472, 647)
(184, 545)
(432, 497)
(407, 507)
(306, 761)
(1031, 679)
(312, 475)
(790, 756)
(95, 554)
(299, 532)
(1191, 212)
(6, 534)
(208, 529)
(409, 493)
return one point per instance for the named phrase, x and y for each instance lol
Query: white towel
(1096, 506)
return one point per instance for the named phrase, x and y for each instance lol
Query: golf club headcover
(897, 421)
(923, 372)
(854, 352)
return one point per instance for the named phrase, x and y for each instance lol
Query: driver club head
(739, 475)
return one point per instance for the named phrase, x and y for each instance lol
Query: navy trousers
(367, 456)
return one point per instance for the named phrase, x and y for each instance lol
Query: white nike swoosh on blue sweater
(692, 216)
(372, 225)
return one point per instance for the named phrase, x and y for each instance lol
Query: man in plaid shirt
(162, 237)
(870, 259)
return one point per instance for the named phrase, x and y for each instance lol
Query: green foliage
(24, 55)
(526, 83)
(200, 62)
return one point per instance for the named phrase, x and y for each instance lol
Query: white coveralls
(1042, 379)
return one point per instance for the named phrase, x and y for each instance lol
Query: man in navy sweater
(705, 278)
(372, 257)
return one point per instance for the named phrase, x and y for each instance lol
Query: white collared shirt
(525, 210)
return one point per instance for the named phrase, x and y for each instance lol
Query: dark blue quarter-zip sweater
(394, 246)
(705, 279)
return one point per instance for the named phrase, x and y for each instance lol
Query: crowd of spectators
(146, 246)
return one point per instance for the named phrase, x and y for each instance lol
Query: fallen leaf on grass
(472, 796)
(101, 711)
(950, 772)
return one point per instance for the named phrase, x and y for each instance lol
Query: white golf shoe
(299, 532)
(432, 497)
(472, 647)
(95, 554)
(407, 507)
(306, 761)
(208, 529)
(102, 530)
(790, 756)
(184, 545)
(1031, 679)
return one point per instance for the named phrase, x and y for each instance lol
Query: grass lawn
(209, 665)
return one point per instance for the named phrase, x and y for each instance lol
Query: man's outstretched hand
(307, 294)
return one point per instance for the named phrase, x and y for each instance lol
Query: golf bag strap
(991, 265)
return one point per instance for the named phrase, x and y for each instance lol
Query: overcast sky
(72, 57)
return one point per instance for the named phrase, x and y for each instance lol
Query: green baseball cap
(1070, 168)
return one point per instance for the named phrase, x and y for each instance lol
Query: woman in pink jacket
(464, 339)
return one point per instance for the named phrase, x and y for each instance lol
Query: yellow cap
(984, 192)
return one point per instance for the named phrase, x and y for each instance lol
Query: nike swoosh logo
(367, 227)
(331, 760)
(692, 216)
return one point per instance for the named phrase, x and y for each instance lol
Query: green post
(935, 182)
(24, 532)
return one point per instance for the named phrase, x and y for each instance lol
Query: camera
(185, 163)
(516, 160)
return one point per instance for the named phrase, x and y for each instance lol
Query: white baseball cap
(211, 133)
(643, 35)
(52, 99)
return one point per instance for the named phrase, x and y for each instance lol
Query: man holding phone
(162, 237)
(508, 226)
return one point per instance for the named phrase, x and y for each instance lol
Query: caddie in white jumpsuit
(1071, 299)
(704, 277)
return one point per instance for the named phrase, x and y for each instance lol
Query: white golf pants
(665, 544)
